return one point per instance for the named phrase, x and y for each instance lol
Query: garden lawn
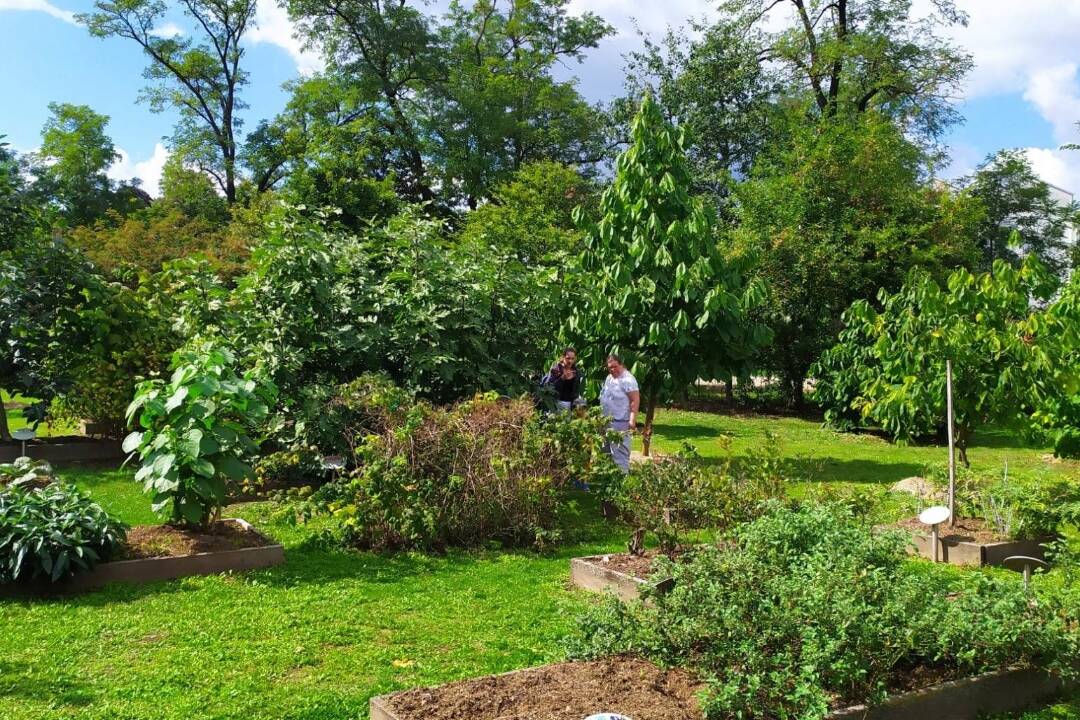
(833, 457)
(318, 636)
(13, 409)
(314, 638)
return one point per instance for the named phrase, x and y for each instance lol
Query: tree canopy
(654, 285)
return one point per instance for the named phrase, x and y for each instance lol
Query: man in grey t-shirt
(619, 400)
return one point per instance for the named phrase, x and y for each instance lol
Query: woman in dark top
(567, 380)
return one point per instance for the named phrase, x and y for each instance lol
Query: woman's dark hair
(569, 350)
(615, 357)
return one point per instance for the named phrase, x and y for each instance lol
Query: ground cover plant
(53, 532)
(783, 625)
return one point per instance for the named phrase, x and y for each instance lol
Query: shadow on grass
(23, 680)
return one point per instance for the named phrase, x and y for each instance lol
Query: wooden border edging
(969, 552)
(589, 573)
(147, 570)
(64, 452)
(1001, 691)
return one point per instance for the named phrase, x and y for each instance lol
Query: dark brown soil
(568, 691)
(966, 529)
(150, 541)
(639, 566)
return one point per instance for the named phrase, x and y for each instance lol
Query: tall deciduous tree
(732, 81)
(70, 168)
(851, 56)
(1016, 200)
(835, 214)
(200, 76)
(450, 109)
(654, 283)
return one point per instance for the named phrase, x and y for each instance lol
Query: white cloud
(147, 171)
(1057, 167)
(1013, 41)
(39, 6)
(168, 30)
(272, 25)
(1056, 95)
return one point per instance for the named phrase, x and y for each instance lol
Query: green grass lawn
(317, 637)
(833, 457)
(13, 409)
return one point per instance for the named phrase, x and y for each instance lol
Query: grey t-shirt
(614, 397)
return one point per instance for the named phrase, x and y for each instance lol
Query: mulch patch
(567, 691)
(154, 541)
(966, 530)
(639, 566)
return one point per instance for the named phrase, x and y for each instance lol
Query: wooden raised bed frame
(63, 450)
(1003, 691)
(146, 570)
(589, 573)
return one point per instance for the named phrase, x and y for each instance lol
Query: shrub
(483, 470)
(286, 469)
(668, 494)
(336, 418)
(811, 609)
(52, 532)
(194, 436)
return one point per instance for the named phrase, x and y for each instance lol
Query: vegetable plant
(52, 532)
(193, 432)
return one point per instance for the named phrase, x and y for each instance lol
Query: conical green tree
(654, 284)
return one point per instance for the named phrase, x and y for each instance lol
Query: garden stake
(952, 450)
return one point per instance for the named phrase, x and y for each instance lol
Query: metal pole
(952, 445)
(936, 540)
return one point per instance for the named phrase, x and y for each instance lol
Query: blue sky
(1024, 92)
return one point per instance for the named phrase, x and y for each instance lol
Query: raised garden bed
(621, 573)
(970, 543)
(640, 690)
(64, 449)
(159, 552)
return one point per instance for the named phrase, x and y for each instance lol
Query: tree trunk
(729, 391)
(650, 411)
(636, 545)
(5, 434)
(962, 435)
(795, 384)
